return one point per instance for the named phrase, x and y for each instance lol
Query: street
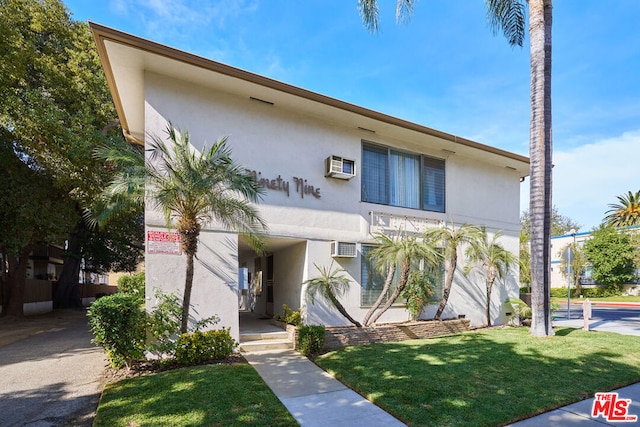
(622, 319)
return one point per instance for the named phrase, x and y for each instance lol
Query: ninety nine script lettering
(612, 408)
(280, 184)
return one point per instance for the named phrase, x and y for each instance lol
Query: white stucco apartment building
(334, 173)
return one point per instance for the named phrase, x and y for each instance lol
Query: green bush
(118, 322)
(609, 291)
(419, 290)
(133, 284)
(199, 347)
(558, 292)
(310, 339)
(164, 324)
(289, 316)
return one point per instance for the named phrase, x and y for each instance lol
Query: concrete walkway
(314, 397)
(579, 413)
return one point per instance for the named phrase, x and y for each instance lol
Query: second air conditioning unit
(343, 249)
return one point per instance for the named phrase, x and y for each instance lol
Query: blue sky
(445, 69)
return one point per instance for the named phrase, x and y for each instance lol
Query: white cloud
(589, 177)
(168, 19)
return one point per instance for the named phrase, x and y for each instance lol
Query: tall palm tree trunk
(402, 282)
(385, 290)
(186, 300)
(541, 162)
(453, 263)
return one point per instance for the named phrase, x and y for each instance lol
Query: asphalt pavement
(50, 372)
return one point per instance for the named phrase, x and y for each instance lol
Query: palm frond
(508, 16)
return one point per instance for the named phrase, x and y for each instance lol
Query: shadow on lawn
(488, 377)
(204, 395)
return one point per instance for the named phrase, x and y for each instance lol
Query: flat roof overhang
(126, 58)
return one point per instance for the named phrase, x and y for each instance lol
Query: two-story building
(334, 174)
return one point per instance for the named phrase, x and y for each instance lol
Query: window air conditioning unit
(343, 249)
(338, 167)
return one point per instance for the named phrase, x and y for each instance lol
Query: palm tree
(330, 286)
(125, 193)
(492, 259)
(509, 17)
(625, 213)
(192, 188)
(405, 252)
(451, 238)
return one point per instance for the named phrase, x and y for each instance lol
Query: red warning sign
(163, 242)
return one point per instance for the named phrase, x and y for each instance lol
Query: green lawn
(487, 377)
(209, 395)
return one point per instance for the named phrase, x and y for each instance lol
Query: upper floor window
(398, 178)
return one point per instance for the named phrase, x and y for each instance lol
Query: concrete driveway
(50, 372)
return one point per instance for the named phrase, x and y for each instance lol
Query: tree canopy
(611, 255)
(55, 108)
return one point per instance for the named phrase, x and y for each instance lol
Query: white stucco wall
(284, 146)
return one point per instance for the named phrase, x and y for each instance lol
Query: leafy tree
(626, 212)
(492, 259)
(32, 211)
(116, 246)
(577, 263)
(192, 188)
(55, 107)
(509, 16)
(405, 252)
(451, 239)
(560, 224)
(611, 255)
(330, 286)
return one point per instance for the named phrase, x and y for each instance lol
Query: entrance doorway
(274, 279)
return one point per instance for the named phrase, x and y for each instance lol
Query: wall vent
(343, 249)
(339, 167)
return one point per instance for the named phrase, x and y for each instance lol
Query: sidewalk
(314, 397)
(579, 413)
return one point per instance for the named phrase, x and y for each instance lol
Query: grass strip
(488, 377)
(207, 395)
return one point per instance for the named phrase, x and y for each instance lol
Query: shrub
(164, 324)
(289, 316)
(199, 347)
(118, 322)
(310, 339)
(609, 291)
(133, 284)
(419, 290)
